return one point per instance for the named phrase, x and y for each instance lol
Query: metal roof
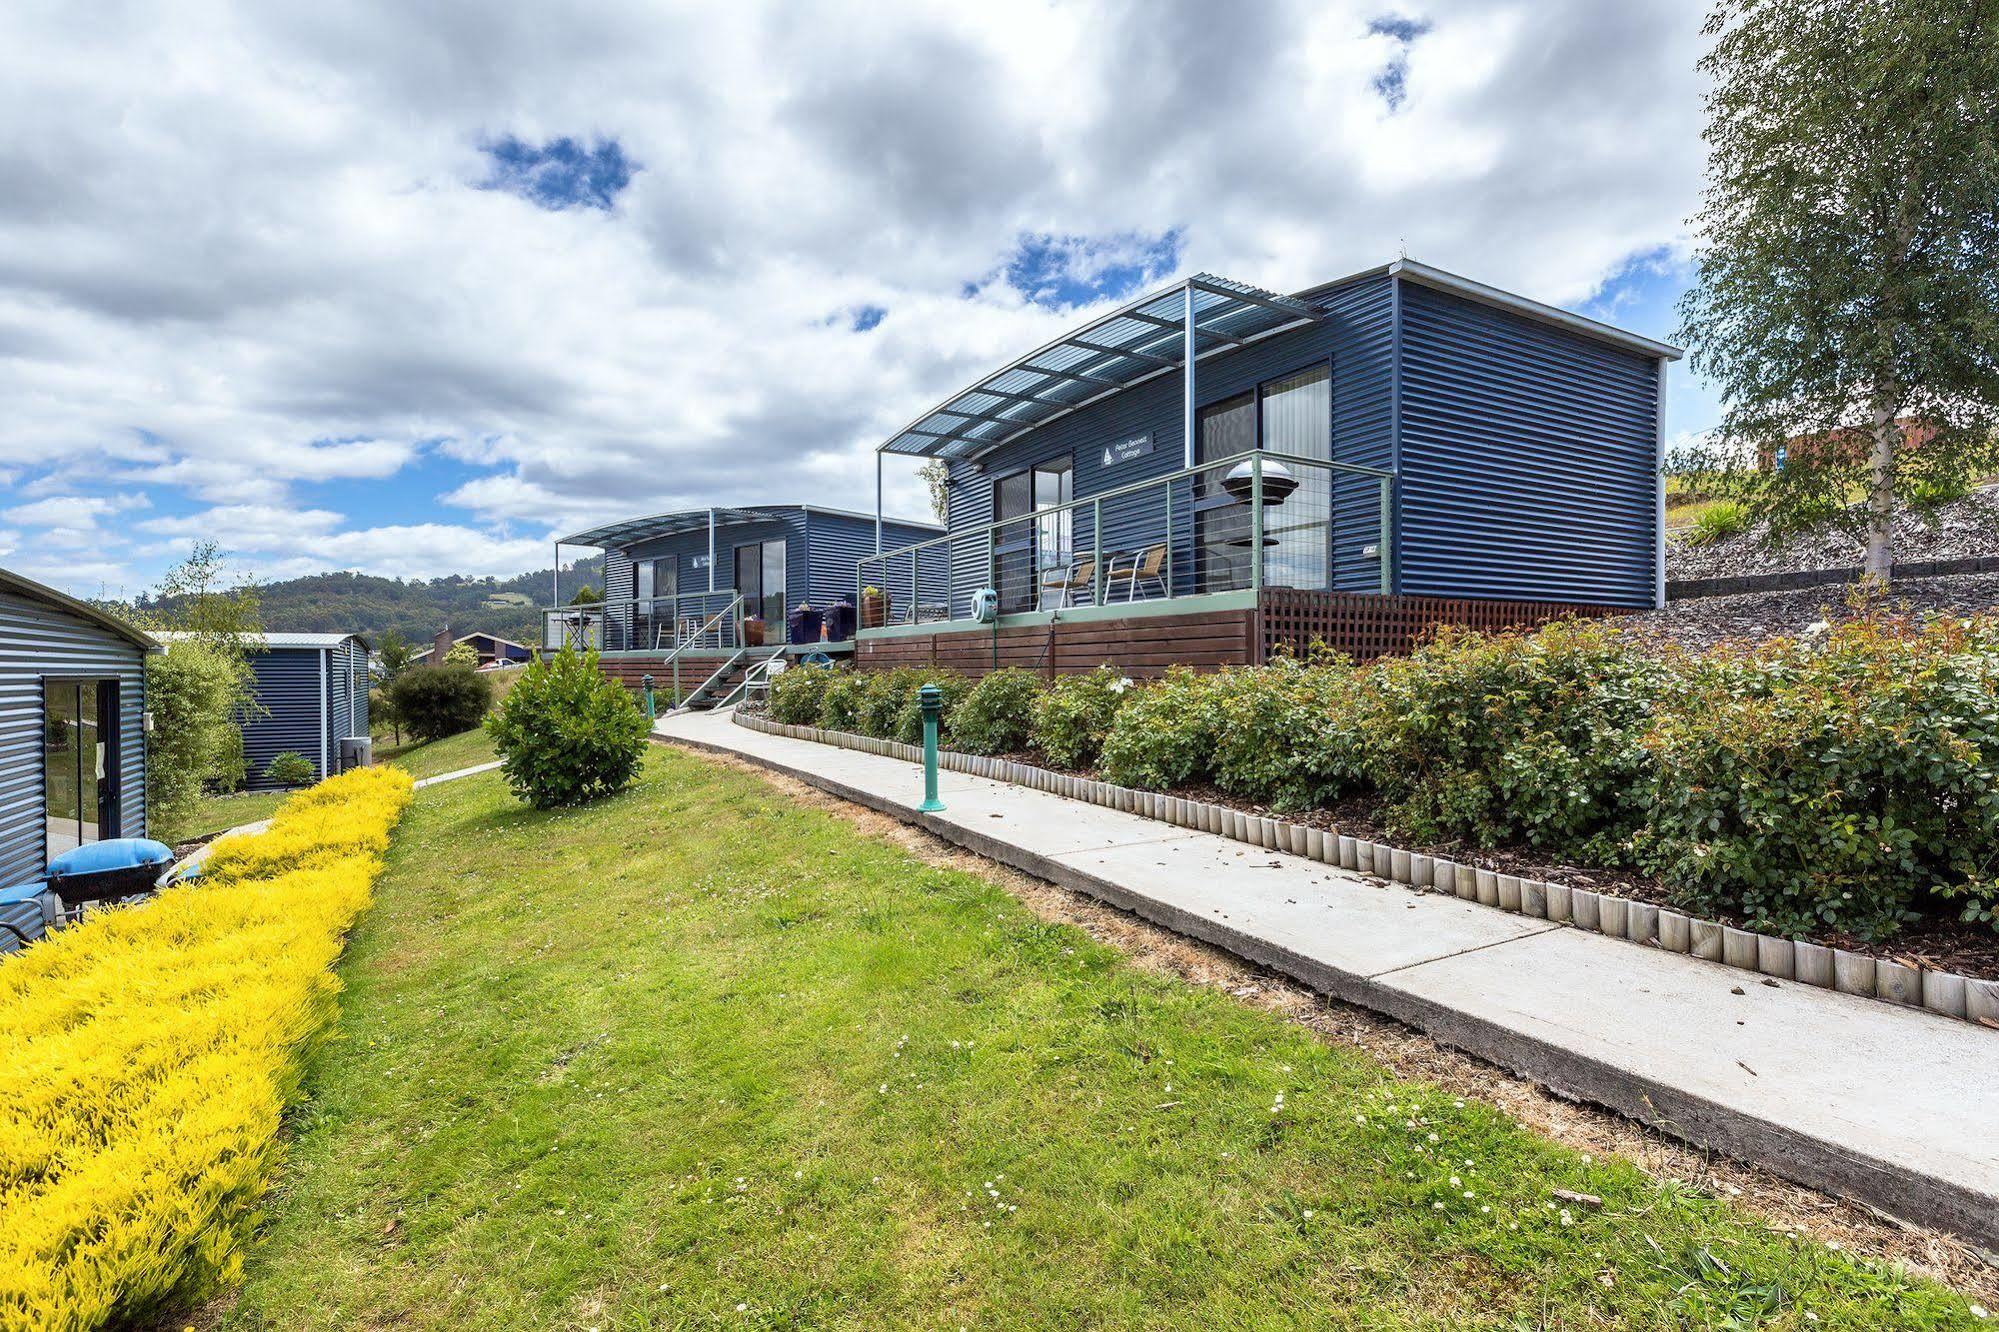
(282, 640)
(629, 530)
(1529, 309)
(33, 591)
(1148, 337)
(1110, 353)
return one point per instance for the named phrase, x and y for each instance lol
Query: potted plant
(874, 608)
(753, 631)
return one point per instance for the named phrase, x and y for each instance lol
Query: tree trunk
(1881, 493)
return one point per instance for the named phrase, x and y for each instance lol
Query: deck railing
(693, 620)
(1244, 523)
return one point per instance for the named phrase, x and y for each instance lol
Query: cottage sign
(1124, 450)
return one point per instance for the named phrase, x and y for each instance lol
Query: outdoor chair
(1065, 586)
(1138, 571)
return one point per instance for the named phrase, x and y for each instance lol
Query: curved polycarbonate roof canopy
(1137, 341)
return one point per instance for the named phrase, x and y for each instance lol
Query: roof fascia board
(1438, 279)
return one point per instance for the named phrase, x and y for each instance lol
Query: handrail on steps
(673, 657)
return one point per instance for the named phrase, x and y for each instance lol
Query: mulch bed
(1938, 944)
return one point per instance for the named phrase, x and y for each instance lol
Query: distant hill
(417, 608)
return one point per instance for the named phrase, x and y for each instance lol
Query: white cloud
(241, 253)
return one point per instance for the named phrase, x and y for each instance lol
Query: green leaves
(566, 734)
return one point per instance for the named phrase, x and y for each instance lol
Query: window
(1290, 414)
(79, 762)
(760, 578)
(1221, 525)
(1297, 418)
(1027, 551)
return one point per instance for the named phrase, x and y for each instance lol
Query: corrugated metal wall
(838, 542)
(288, 693)
(36, 640)
(1528, 458)
(1357, 336)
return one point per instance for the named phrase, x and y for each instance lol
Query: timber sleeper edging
(1944, 993)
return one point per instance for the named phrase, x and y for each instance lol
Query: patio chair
(1079, 579)
(1137, 570)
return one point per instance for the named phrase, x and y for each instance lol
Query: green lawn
(427, 759)
(220, 813)
(223, 812)
(701, 1056)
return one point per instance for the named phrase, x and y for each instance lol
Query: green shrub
(461, 654)
(840, 705)
(997, 714)
(290, 768)
(1517, 738)
(566, 734)
(887, 693)
(1293, 736)
(798, 694)
(1164, 735)
(1929, 493)
(951, 690)
(195, 692)
(1719, 520)
(438, 701)
(1072, 717)
(1846, 785)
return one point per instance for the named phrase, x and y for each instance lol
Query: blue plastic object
(107, 871)
(118, 853)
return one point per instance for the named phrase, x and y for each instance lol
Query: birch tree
(1848, 256)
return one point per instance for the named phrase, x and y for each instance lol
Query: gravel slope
(1963, 528)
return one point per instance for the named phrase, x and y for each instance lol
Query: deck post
(1187, 378)
(878, 502)
(1097, 552)
(711, 550)
(1387, 544)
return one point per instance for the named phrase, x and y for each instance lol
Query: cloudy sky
(412, 289)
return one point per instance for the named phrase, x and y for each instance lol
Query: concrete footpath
(1894, 1107)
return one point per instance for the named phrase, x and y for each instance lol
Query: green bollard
(933, 704)
(646, 682)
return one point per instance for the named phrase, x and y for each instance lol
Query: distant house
(492, 650)
(72, 727)
(1855, 442)
(312, 695)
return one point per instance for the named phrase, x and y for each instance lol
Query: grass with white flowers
(699, 1056)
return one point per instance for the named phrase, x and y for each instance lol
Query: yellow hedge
(146, 1055)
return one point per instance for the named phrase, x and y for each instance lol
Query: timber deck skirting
(1641, 923)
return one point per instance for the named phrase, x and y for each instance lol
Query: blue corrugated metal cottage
(704, 595)
(72, 727)
(1215, 472)
(311, 693)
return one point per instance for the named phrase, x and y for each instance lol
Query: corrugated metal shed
(312, 691)
(45, 635)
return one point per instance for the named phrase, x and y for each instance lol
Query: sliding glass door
(1030, 548)
(760, 578)
(79, 762)
(1291, 414)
